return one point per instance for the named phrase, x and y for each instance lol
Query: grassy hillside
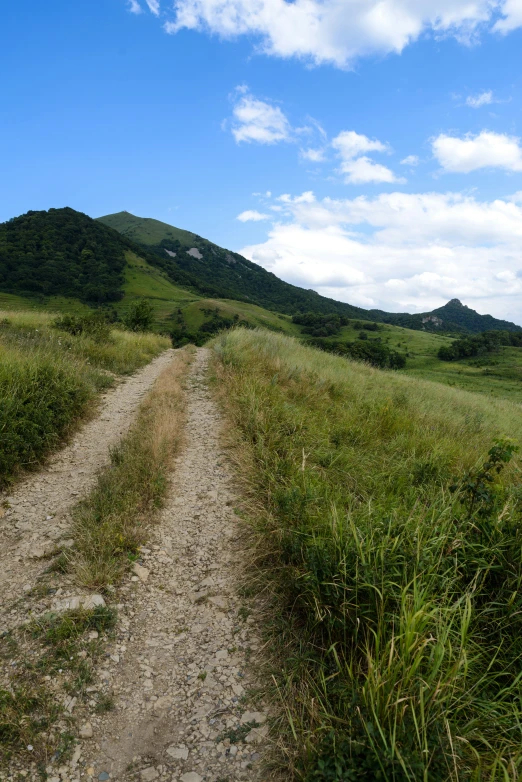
(497, 375)
(145, 281)
(228, 274)
(194, 315)
(145, 230)
(49, 378)
(392, 547)
(233, 276)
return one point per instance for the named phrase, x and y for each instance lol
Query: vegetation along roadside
(50, 374)
(387, 515)
(46, 691)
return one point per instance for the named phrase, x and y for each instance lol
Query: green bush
(40, 401)
(140, 316)
(94, 325)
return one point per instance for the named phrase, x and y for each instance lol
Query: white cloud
(400, 251)
(364, 170)
(135, 7)
(410, 160)
(252, 215)
(485, 150)
(351, 144)
(313, 155)
(256, 120)
(340, 31)
(154, 6)
(361, 170)
(512, 16)
(482, 99)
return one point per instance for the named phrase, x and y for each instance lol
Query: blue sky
(382, 137)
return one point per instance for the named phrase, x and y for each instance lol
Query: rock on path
(184, 704)
(38, 517)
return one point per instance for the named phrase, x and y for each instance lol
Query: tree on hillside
(140, 316)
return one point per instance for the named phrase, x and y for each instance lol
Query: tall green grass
(48, 380)
(398, 564)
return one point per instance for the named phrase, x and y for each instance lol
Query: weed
(105, 703)
(238, 734)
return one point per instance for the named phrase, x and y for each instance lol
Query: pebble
(141, 572)
(86, 731)
(192, 776)
(149, 774)
(178, 753)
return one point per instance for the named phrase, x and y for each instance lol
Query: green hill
(234, 277)
(222, 273)
(452, 317)
(66, 259)
(61, 252)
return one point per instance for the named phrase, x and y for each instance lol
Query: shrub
(140, 316)
(94, 325)
(40, 401)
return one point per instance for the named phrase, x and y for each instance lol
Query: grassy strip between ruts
(48, 380)
(52, 659)
(387, 522)
(110, 524)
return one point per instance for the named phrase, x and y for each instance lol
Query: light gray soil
(38, 517)
(185, 698)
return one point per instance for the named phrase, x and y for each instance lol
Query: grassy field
(391, 542)
(497, 375)
(48, 380)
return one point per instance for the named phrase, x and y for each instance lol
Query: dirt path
(184, 699)
(37, 519)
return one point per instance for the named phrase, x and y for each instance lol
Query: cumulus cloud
(351, 144)
(511, 17)
(357, 167)
(410, 160)
(252, 215)
(258, 121)
(482, 99)
(340, 31)
(135, 7)
(154, 6)
(363, 170)
(485, 150)
(313, 155)
(400, 251)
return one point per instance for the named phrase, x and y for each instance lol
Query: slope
(234, 277)
(222, 273)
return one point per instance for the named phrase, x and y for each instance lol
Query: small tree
(140, 316)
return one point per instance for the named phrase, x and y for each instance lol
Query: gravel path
(37, 519)
(185, 703)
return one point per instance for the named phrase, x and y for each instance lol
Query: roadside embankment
(386, 521)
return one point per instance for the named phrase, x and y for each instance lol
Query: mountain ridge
(67, 253)
(164, 239)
